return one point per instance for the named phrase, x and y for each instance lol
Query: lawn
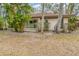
(29, 43)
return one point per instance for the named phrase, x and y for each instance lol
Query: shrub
(17, 14)
(72, 23)
(46, 25)
(1, 23)
(19, 22)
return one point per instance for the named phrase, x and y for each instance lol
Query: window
(32, 24)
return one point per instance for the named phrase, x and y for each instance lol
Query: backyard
(30, 43)
(26, 30)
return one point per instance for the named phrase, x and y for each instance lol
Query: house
(52, 19)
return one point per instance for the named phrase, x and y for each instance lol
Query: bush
(1, 23)
(72, 23)
(46, 25)
(19, 22)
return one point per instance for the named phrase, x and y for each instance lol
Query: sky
(39, 1)
(37, 6)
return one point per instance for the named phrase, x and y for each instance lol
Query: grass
(27, 43)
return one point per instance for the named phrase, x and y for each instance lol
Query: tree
(10, 13)
(53, 7)
(59, 24)
(42, 22)
(1, 23)
(45, 7)
(17, 15)
(70, 8)
(72, 19)
(2, 17)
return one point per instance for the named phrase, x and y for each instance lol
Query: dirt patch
(27, 43)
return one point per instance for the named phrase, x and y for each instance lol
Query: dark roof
(47, 15)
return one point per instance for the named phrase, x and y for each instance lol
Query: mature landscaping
(16, 40)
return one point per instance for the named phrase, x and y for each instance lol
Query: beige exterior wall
(52, 23)
(65, 20)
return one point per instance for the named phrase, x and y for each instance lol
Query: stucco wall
(52, 23)
(65, 20)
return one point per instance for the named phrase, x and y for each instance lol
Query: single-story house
(52, 19)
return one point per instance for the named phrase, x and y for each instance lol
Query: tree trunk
(42, 21)
(59, 24)
(70, 12)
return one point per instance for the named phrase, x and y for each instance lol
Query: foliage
(10, 13)
(72, 19)
(19, 22)
(17, 14)
(70, 8)
(72, 23)
(1, 23)
(46, 25)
